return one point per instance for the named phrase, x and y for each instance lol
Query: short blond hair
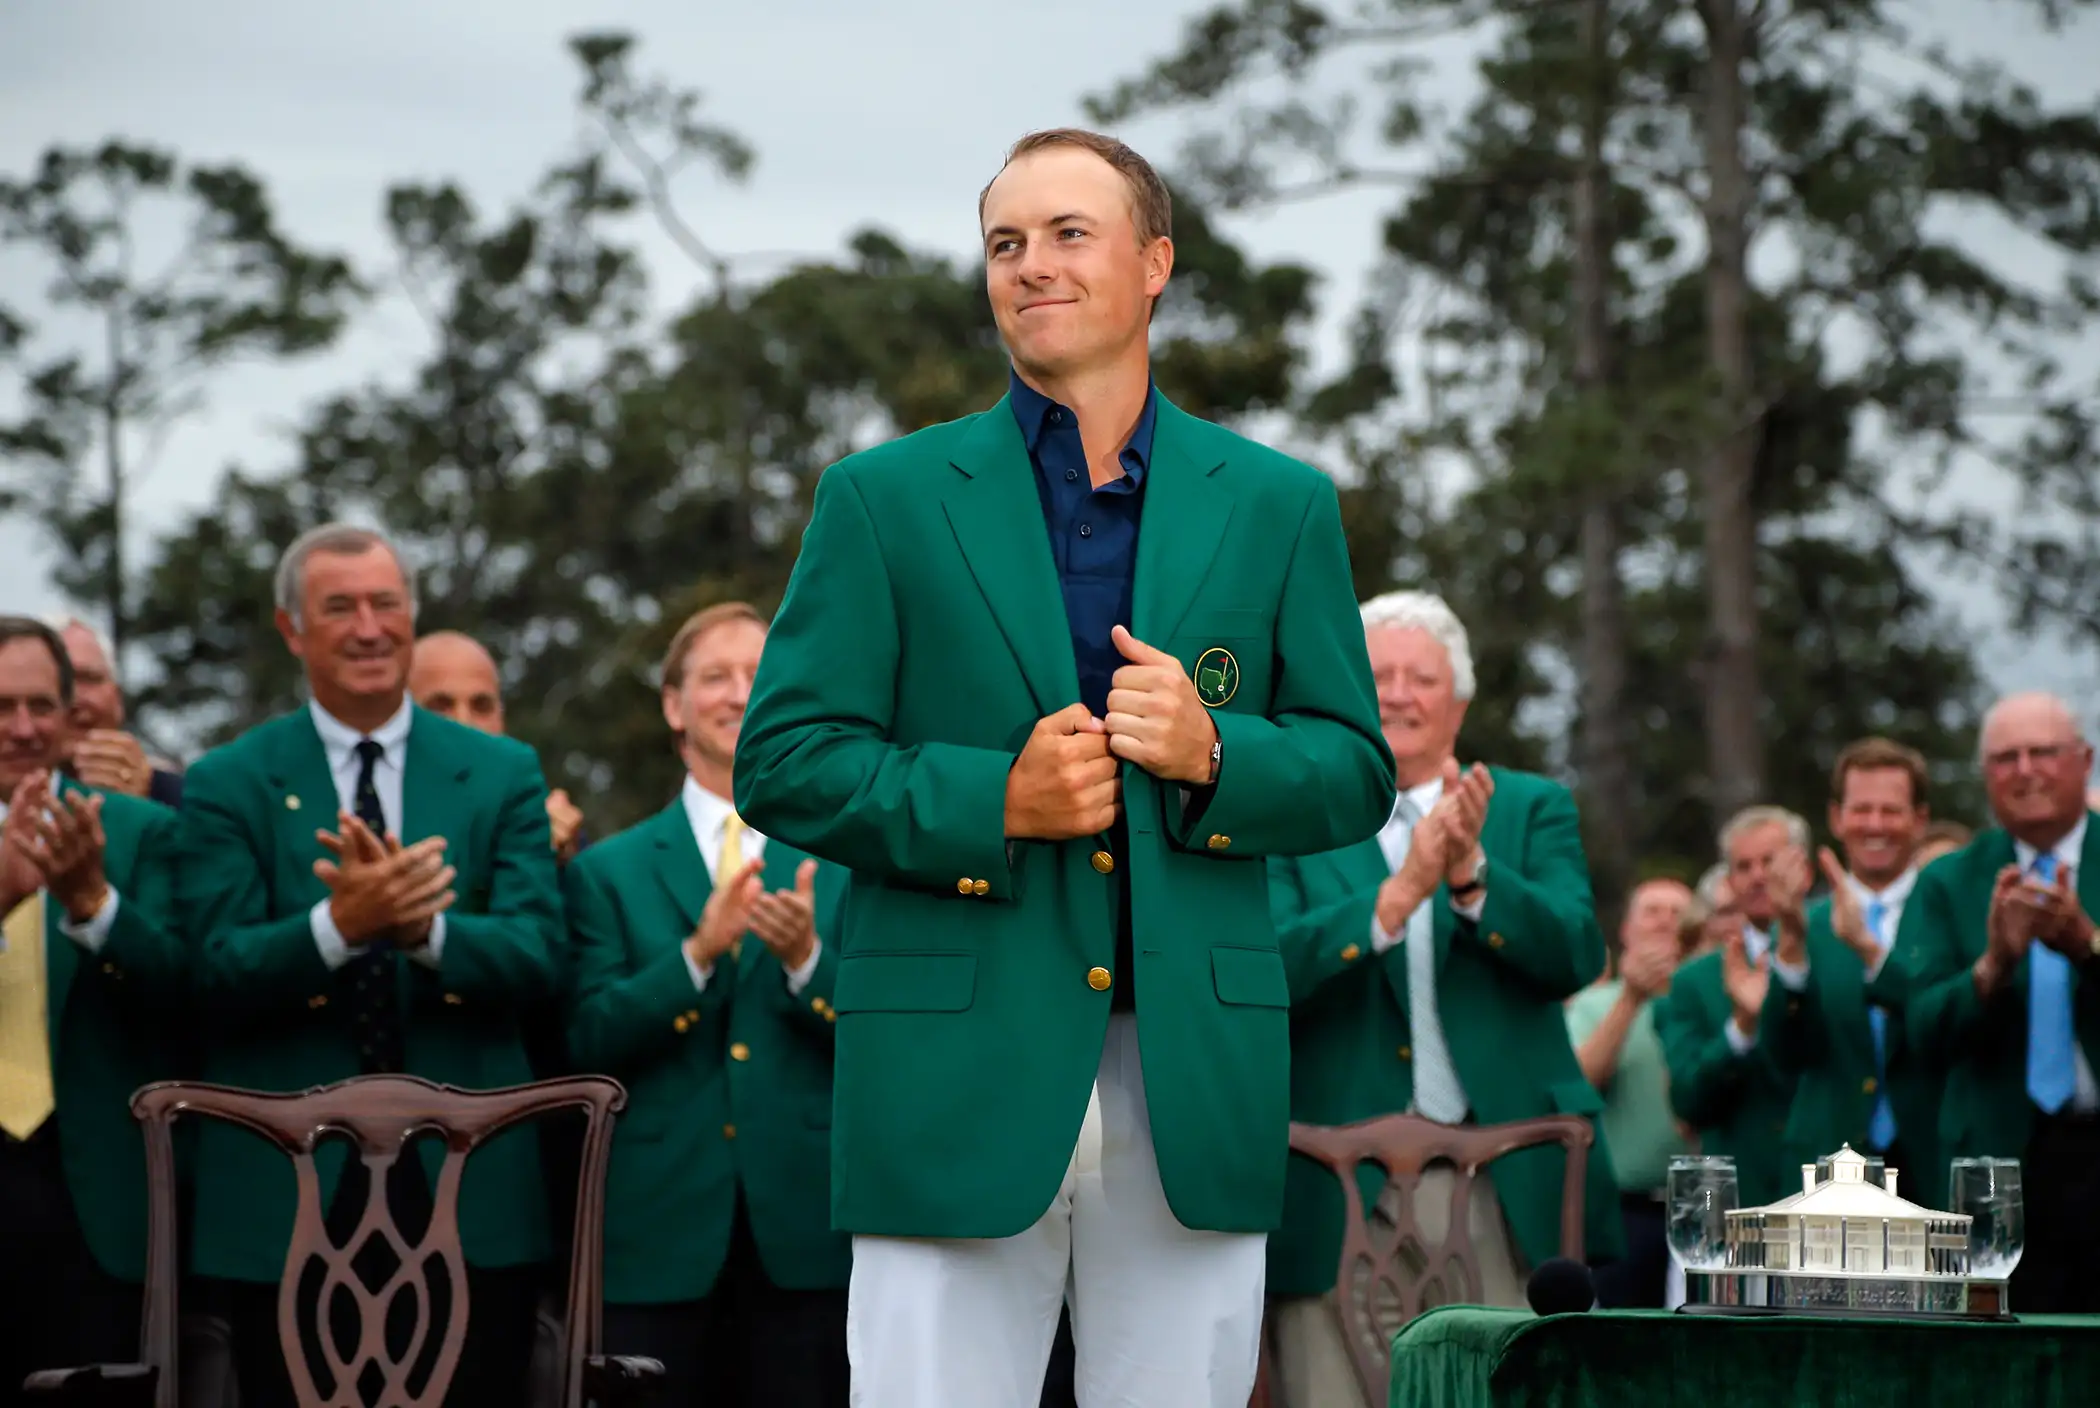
(697, 625)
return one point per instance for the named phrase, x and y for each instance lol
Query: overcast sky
(861, 113)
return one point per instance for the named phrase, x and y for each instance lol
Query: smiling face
(32, 711)
(1419, 710)
(1071, 282)
(2034, 768)
(705, 705)
(1878, 822)
(354, 631)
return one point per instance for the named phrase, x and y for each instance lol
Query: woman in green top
(1612, 1027)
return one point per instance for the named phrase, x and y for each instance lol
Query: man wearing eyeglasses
(1997, 947)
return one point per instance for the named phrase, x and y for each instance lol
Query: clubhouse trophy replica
(1849, 1246)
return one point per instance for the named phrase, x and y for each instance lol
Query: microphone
(1561, 1287)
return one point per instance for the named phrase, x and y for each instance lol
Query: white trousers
(1162, 1316)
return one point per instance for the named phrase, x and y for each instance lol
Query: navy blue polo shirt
(1093, 532)
(1093, 542)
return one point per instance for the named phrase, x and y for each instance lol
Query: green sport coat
(1737, 1104)
(1500, 986)
(112, 1022)
(250, 810)
(1985, 1109)
(1823, 1039)
(921, 638)
(728, 1088)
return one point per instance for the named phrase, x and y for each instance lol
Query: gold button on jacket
(1104, 862)
(1219, 843)
(739, 1052)
(962, 886)
(1098, 979)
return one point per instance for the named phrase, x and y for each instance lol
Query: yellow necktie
(726, 866)
(26, 1095)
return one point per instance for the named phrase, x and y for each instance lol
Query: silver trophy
(1846, 1244)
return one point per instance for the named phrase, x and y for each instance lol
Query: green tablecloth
(1467, 1357)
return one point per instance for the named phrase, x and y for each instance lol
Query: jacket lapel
(996, 512)
(303, 797)
(1186, 510)
(431, 789)
(678, 863)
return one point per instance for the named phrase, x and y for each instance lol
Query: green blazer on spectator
(113, 1025)
(1738, 1105)
(1985, 1109)
(1500, 986)
(250, 811)
(1822, 1037)
(727, 1086)
(921, 638)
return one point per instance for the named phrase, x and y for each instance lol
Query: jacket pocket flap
(1228, 621)
(905, 982)
(1576, 1097)
(1250, 977)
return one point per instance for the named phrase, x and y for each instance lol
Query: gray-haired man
(366, 887)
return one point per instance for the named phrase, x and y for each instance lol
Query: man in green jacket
(1724, 1081)
(1833, 1020)
(91, 967)
(1052, 680)
(367, 887)
(709, 997)
(1997, 956)
(1427, 967)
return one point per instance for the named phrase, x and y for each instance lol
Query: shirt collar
(707, 813)
(1897, 892)
(1032, 412)
(1422, 797)
(2067, 851)
(340, 740)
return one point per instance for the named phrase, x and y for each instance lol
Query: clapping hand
(726, 915)
(1745, 982)
(786, 920)
(381, 888)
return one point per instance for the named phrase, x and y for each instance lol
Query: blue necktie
(2050, 1078)
(1881, 1125)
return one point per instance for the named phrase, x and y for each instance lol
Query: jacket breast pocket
(1226, 622)
(905, 982)
(1249, 977)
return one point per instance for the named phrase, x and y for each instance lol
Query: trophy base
(1996, 1317)
(1735, 1291)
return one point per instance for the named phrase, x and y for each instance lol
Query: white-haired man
(1428, 966)
(1996, 950)
(1723, 1081)
(99, 751)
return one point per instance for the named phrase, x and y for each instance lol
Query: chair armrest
(621, 1378)
(96, 1386)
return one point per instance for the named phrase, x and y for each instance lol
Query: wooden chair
(1388, 1268)
(381, 1114)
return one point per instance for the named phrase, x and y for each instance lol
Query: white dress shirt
(95, 932)
(709, 816)
(2085, 1091)
(339, 741)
